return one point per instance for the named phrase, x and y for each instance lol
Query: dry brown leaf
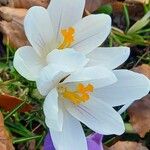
(139, 113)
(92, 5)
(12, 26)
(133, 5)
(8, 103)
(117, 7)
(9, 14)
(13, 34)
(27, 3)
(135, 10)
(144, 69)
(5, 139)
(125, 145)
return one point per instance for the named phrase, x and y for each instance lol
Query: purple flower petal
(48, 144)
(94, 142)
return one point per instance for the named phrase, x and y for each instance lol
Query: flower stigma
(77, 96)
(68, 37)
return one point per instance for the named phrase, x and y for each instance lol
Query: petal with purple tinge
(94, 142)
(48, 144)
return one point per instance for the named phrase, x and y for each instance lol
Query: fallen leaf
(133, 5)
(139, 113)
(8, 103)
(125, 145)
(144, 69)
(92, 5)
(12, 26)
(9, 14)
(117, 7)
(135, 10)
(27, 3)
(5, 139)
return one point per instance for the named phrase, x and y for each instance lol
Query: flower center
(79, 95)
(68, 37)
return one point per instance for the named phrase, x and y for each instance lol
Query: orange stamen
(81, 93)
(68, 35)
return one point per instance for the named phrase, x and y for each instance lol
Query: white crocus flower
(88, 96)
(61, 26)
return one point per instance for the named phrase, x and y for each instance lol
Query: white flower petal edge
(65, 13)
(53, 112)
(99, 76)
(129, 87)
(39, 30)
(71, 133)
(69, 58)
(43, 39)
(98, 116)
(28, 63)
(61, 64)
(91, 109)
(91, 32)
(49, 77)
(110, 57)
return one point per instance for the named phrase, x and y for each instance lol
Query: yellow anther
(89, 88)
(74, 98)
(85, 97)
(68, 37)
(81, 93)
(80, 88)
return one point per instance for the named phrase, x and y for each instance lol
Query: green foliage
(106, 9)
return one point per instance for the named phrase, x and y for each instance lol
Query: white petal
(49, 78)
(129, 87)
(65, 13)
(53, 112)
(38, 29)
(91, 32)
(28, 63)
(69, 58)
(72, 136)
(109, 57)
(98, 116)
(99, 76)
